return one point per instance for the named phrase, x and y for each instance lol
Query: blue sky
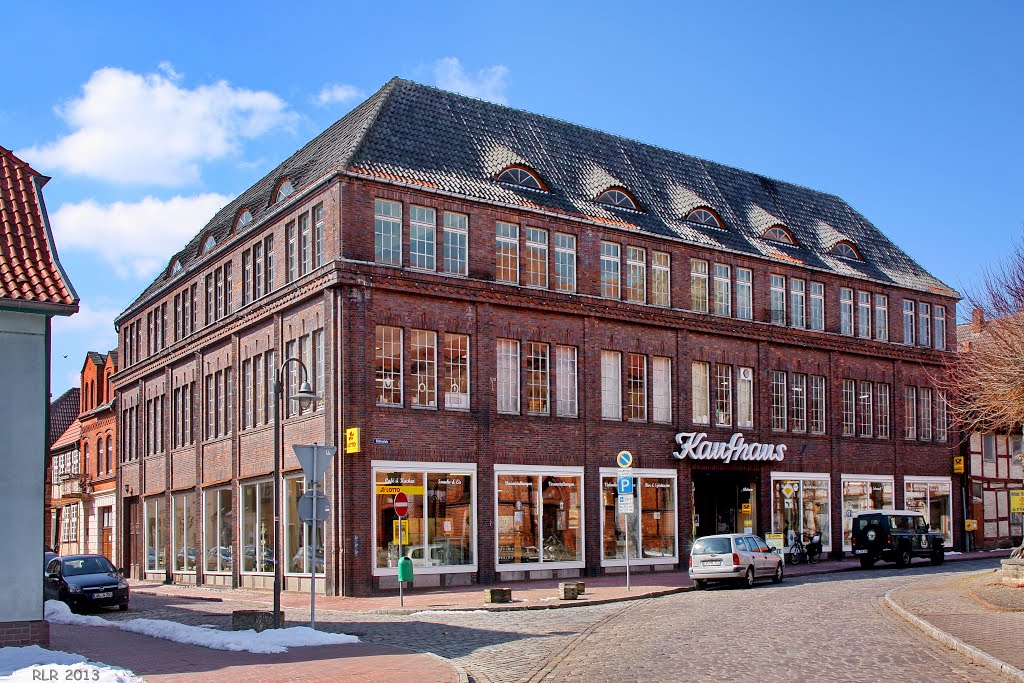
(149, 119)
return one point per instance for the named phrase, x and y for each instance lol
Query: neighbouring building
(33, 289)
(501, 303)
(995, 472)
(63, 412)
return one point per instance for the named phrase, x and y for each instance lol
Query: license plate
(860, 552)
(711, 563)
(97, 596)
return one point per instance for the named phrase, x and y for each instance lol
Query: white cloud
(91, 329)
(333, 93)
(136, 238)
(147, 128)
(487, 84)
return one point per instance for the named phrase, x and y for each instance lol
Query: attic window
(209, 244)
(619, 198)
(846, 250)
(284, 191)
(704, 217)
(244, 219)
(779, 234)
(521, 177)
(176, 267)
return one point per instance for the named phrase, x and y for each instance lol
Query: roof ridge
(360, 137)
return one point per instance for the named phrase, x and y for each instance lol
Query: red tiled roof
(63, 412)
(70, 436)
(29, 269)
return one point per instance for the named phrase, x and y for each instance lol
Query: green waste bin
(405, 569)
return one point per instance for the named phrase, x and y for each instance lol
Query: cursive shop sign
(694, 445)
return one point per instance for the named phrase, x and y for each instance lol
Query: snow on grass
(271, 641)
(34, 663)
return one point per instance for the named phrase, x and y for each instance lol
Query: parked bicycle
(807, 548)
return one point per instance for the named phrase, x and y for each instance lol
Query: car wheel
(938, 555)
(748, 580)
(123, 607)
(903, 558)
(867, 562)
(777, 576)
(700, 584)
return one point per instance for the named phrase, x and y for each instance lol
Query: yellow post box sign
(404, 525)
(1017, 501)
(970, 525)
(958, 464)
(352, 440)
(745, 508)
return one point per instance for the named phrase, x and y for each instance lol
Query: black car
(895, 536)
(85, 582)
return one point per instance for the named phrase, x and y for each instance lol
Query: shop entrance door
(724, 503)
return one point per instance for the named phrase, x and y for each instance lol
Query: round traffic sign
(624, 459)
(401, 505)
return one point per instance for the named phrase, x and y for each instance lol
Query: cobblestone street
(827, 627)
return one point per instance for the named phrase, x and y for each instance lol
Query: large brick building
(502, 302)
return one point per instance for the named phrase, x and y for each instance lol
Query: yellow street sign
(958, 464)
(352, 440)
(745, 508)
(1016, 500)
(970, 525)
(392, 489)
(405, 530)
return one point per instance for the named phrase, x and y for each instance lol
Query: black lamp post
(305, 395)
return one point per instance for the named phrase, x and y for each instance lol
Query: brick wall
(24, 633)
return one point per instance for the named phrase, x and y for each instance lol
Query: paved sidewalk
(972, 614)
(540, 594)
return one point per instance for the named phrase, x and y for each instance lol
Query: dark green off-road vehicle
(895, 536)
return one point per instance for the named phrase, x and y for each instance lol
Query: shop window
(438, 531)
(866, 493)
(220, 525)
(303, 550)
(258, 527)
(652, 530)
(539, 517)
(156, 533)
(801, 507)
(184, 531)
(610, 267)
(932, 498)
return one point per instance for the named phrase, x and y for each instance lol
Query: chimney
(977, 320)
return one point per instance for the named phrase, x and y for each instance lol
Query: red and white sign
(401, 505)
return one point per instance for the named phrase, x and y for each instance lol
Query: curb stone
(459, 669)
(975, 654)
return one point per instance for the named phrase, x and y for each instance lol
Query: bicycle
(810, 553)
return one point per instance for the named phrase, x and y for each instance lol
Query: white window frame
(565, 257)
(881, 317)
(848, 390)
(744, 294)
(909, 322)
(862, 479)
(508, 404)
(846, 311)
(378, 218)
(778, 300)
(948, 481)
(611, 385)
(567, 380)
(535, 253)
(661, 397)
(510, 241)
(636, 275)
(698, 282)
(700, 392)
(826, 543)
(745, 398)
(797, 303)
(883, 426)
(864, 315)
(780, 400)
(611, 255)
(640, 474)
(939, 317)
(455, 239)
(661, 278)
(816, 319)
(722, 290)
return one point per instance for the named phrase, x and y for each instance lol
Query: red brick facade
(25, 633)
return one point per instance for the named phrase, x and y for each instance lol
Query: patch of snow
(953, 552)
(271, 641)
(34, 663)
(450, 611)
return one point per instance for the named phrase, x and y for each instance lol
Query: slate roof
(449, 142)
(63, 411)
(30, 272)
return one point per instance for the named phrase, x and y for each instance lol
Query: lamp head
(305, 395)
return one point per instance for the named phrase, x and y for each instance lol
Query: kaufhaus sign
(694, 445)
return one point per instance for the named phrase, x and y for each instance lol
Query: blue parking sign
(624, 485)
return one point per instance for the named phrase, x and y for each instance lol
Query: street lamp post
(304, 396)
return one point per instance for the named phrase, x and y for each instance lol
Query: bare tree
(985, 380)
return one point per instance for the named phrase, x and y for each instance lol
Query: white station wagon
(741, 558)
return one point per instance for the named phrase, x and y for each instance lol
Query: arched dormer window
(704, 217)
(846, 249)
(284, 190)
(244, 219)
(617, 196)
(175, 267)
(523, 177)
(208, 244)
(777, 233)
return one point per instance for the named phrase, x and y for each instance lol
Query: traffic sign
(401, 505)
(311, 499)
(624, 459)
(626, 505)
(314, 460)
(624, 485)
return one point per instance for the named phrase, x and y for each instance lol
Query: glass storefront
(258, 527)
(156, 533)
(652, 527)
(301, 552)
(439, 531)
(864, 492)
(540, 516)
(219, 530)
(183, 531)
(801, 507)
(933, 498)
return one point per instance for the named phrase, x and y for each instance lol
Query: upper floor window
(615, 197)
(704, 217)
(387, 232)
(284, 190)
(521, 177)
(244, 219)
(778, 233)
(507, 254)
(176, 267)
(846, 250)
(208, 244)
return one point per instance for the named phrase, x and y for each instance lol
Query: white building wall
(23, 406)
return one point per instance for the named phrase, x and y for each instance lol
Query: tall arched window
(85, 453)
(110, 455)
(99, 455)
